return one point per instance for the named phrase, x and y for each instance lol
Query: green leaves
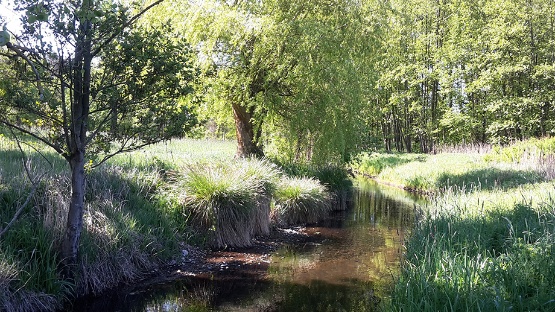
(38, 12)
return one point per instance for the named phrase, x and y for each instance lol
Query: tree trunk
(70, 244)
(246, 142)
(80, 107)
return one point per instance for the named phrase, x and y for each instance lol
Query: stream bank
(346, 262)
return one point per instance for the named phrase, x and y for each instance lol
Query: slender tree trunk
(70, 244)
(246, 143)
(79, 117)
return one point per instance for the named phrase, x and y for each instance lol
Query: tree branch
(19, 51)
(34, 135)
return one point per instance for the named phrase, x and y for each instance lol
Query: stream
(349, 266)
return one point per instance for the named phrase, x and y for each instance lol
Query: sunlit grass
(435, 173)
(177, 152)
(300, 200)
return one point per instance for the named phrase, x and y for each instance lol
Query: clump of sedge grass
(334, 177)
(223, 203)
(265, 176)
(300, 200)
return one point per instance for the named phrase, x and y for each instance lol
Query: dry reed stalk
(233, 226)
(261, 219)
(24, 301)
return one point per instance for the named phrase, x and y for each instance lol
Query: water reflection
(349, 269)
(358, 259)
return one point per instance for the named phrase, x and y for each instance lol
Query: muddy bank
(252, 261)
(197, 264)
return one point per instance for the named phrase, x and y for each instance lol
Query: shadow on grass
(394, 160)
(488, 179)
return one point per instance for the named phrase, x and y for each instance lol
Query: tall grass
(128, 229)
(300, 200)
(485, 251)
(140, 209)
(486, 241)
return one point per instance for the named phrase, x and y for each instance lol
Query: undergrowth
(140, 209)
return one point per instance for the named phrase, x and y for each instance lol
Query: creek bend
(345, 263)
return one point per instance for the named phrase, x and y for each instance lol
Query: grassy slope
(486, 242)
(434, 173)
(141, 208)
(130, 226)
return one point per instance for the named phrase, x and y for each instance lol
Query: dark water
(350, 269)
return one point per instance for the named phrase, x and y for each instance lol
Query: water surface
(349, 266)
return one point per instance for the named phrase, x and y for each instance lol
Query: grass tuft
(300, 200)
(223, 202)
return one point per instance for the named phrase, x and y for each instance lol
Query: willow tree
(89, 83)
(292, 66)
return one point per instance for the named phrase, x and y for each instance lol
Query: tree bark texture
(80, 107)
(246, 142)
